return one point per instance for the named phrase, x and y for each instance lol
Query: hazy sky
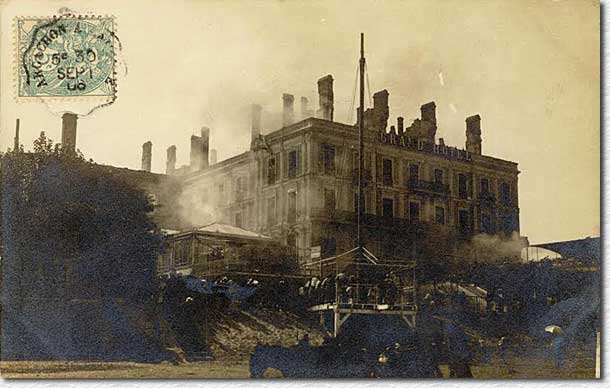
(529, 68)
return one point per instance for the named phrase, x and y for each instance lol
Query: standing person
(503, 350)
(459, 354)
(557, 346)
(483, 351)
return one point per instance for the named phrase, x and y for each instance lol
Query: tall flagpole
(361, 145)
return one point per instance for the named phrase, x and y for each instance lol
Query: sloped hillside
(234, 332)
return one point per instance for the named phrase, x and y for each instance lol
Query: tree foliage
(72, 229)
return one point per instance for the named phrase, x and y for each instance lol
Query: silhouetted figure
(558, 347)
(503, 349)
(459, 354)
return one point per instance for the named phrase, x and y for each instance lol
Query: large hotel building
(298, 184)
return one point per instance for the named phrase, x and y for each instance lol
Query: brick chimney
(257, 111)
(195, 155)
(288, 109)
(428, 112)
(473, 134)
(401, 125)
(327, 98)
(381, 110)
(16, 140)
(68, 131)
(205, 147)
(213, 157)
(305, 112)
(170, 164)
(146, 156)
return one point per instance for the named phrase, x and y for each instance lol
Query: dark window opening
(414, 211)
(328, 153)
(505, 193)
(438, 176)
(388, 208)
(440, 215)
(413, 173)
(271, 171)
(292, 164)
(464, 222)
(462, 186)
(387, 172)
(484, 186)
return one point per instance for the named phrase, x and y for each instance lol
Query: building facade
(299, 184)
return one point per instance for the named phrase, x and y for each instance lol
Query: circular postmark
(66, 56)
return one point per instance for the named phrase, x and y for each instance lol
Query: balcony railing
(433, 187)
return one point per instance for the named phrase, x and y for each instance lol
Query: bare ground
(582, 366)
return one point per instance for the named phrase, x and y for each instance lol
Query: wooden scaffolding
(364, 284)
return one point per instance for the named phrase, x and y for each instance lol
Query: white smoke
(494, 248)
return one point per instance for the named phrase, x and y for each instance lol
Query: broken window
(414, 211)
(293, 164)
(328, 156)
(271, 171)
(440, 215)
(438, 176)
(484, 186)
(387, 172)
(462, 186)
(388, 208)
(413, 174)
(505, 193)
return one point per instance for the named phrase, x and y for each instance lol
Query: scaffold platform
(357, 282)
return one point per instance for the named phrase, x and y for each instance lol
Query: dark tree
(78, 251)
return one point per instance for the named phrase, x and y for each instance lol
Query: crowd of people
(349, 289)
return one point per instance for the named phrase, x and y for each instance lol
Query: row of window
(464, 224)
(294, 162)
(412, 174)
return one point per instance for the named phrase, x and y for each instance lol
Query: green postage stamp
(66, 56)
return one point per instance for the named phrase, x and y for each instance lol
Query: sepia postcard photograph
(206, 189)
